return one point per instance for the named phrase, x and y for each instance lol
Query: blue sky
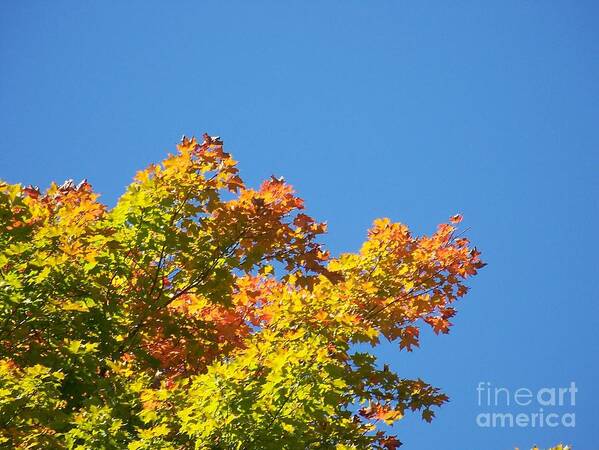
(410, 110)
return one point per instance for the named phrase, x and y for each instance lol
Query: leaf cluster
(200, 313)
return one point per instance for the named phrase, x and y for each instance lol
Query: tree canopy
(201, 313)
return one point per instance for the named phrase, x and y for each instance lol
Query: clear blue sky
(412, 110)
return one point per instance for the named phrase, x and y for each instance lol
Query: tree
(557, 447)
(199, 313)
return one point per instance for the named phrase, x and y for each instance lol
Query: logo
(523, 407)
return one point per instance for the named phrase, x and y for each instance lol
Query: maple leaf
(456, 219)
(390, 442)
(378, 411)
(428, 415)
(409, 338)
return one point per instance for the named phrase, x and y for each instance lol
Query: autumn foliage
(200, 313)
